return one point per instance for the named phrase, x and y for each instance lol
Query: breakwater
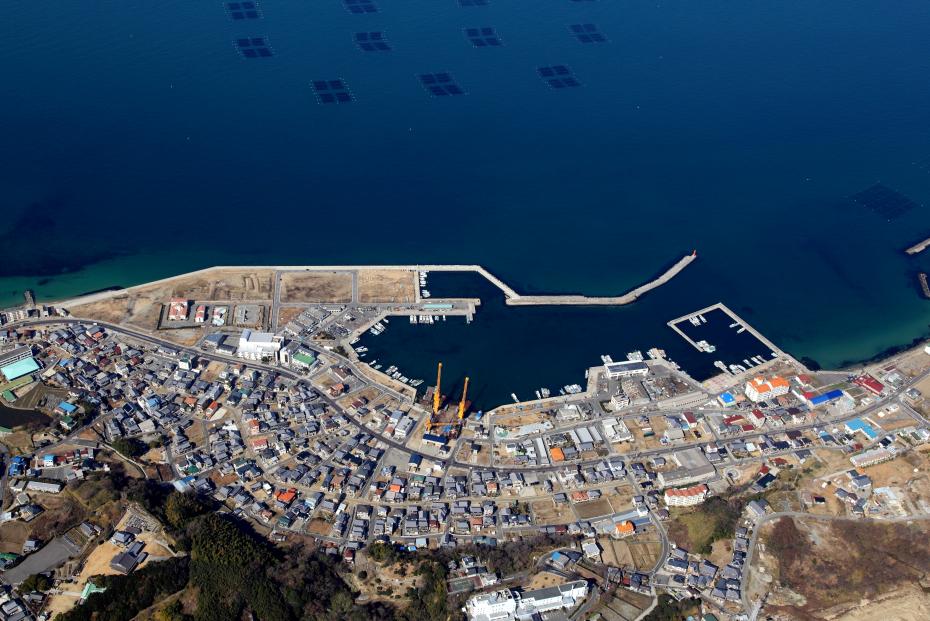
(515, 299)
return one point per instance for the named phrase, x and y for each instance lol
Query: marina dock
(743, 324)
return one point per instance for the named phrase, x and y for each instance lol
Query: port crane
(437, 393)
(462, 402)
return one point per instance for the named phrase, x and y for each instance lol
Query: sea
(143, 140)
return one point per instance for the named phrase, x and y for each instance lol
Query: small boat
(538, 396)
(701, 317)
(513, 396)
(741, 330)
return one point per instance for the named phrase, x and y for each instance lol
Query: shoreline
(512, 297)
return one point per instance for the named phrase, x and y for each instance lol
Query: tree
(129, 447)
(36, 582)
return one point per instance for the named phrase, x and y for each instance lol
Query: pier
(673, 324)
(919, 247)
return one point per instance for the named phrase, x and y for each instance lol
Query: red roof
(870, 383)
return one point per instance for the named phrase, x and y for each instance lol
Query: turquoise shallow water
(140, 144)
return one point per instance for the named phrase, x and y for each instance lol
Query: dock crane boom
(462, 402)
(437, 392)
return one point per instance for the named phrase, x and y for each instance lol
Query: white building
(759, 389)
(257, 345)
(686, 497)
(499, 605)
(616, 430)
(510, 605)
(629, 368)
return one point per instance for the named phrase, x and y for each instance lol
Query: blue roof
(857, 424)
(827, 396)
(727, 397)
(68, 408)
(19, 369)
(432, 437)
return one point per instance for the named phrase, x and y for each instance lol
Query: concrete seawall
(515, 299)
(919, 247)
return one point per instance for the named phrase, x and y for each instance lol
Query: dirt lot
(543, 580)
(593, 508)
(548, 512)
(624, 606)
(328, 287)
(288, 314)
(141, 307)
(638, 551)
(138, 310)
(386, 286)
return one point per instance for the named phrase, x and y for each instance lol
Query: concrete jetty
(515, 299)
(919, 247)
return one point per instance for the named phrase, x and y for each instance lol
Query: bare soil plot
(288, 314)
(232, 284)
(543, 580)
(312, 287)
(645, 552)
(548, 512)
(135, 309)
(615, 552)
(593, 508)
(391, 286)
(13, 535)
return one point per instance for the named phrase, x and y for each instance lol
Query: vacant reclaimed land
(141, 306)
(389, 286)
(316, 287)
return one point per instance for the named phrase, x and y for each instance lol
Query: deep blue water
(139, 144)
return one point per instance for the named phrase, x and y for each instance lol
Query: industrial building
(629, 368)
(257, 345)
(15, 355)
(19, 368)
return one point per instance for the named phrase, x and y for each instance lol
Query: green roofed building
(303, 358)
(9, 396)
(19, 369)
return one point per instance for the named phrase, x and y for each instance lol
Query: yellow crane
(462, 402)
(437, 393)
